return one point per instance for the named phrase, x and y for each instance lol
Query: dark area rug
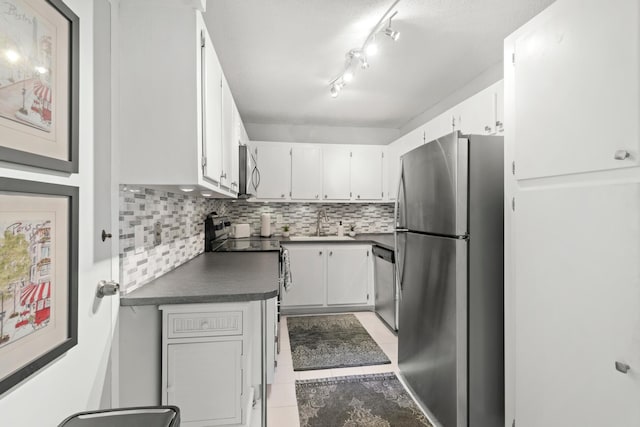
(376, 400)
(335, 341)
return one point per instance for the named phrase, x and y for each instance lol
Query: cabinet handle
(223, 175)
(325, 196)
(622, 367)
(320, 253)
(330, 253)
(358, 196)
(621, 155)
(487, 129)
(282, 196)
(317, 196)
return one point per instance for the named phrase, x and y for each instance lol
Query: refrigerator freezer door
(434, 187)
(432, 345)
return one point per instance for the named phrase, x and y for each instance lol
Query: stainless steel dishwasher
(386, 303)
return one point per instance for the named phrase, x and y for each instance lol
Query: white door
(307, 276)
(336, 167)
(306, 173)
(204, 380)
(211, 75)
(80, 380)
(576, 80)
(577, 287)
(348, 274)
(366, 173)
(274, 164)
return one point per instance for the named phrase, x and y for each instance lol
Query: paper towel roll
(265, 226)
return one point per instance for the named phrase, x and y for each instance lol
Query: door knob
(621, 155)
(107, 288)
(106, 235)
(622, 367)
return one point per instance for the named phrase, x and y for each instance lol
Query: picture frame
(39, 277)
(39, 84)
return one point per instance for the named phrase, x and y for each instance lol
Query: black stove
(216, 235)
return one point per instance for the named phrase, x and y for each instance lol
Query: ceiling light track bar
(355, 57)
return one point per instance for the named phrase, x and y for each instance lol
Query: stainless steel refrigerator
(449, 254)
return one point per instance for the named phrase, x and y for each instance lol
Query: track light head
(372, 48)
(391, 33)
(334, 90)
(347, 76)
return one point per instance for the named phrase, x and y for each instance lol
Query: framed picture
(38, 276)
(39, 84)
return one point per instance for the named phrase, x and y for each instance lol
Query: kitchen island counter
(213, 277)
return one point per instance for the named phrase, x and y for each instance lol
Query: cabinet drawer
(184, 325)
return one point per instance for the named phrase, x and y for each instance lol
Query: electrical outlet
(138, 238)
(157, 234)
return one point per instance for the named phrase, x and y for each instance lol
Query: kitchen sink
(312, 238)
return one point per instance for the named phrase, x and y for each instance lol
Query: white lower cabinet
(329, 275)
(204, 379)
(308, 276)
(204, 362)
(348, 275)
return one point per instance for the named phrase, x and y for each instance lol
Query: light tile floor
(282, 407)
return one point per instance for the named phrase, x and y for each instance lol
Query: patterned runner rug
(334, 341)
(375, 400)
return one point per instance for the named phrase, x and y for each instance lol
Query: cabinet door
(576, 81)
(578, 314)
(477, 114)
(234, 144)
(348, 274)
(204, 380)
(228, 133)
(366, 173)
(336, 172)
(274, 164)
(307, 276)
(211, 75)
(306, 173)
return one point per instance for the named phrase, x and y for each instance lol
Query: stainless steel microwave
(249, 177)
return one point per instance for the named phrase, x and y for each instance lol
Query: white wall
(77, 380)
(320, 134)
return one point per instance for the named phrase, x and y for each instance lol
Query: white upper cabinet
(306, 173)
(563, 60)
(274, 164)
(366, 173)
(229, 133)
(212, 137)
(336, 172)
(174, 121)
(477, 114)
(234, 175)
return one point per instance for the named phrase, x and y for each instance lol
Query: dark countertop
(386, 240)
(213, 277)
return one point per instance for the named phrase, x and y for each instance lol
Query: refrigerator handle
(400, 258)
(399, 210)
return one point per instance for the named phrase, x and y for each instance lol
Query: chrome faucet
(322, 216)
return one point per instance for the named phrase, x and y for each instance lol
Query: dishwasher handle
(384, 253)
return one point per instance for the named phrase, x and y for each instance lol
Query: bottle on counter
(340, 230)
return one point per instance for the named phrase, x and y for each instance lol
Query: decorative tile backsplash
(302, 217)
(181, 220)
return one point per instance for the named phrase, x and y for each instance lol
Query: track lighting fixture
(357, 57)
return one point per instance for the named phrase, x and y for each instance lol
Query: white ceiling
(279, 56)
